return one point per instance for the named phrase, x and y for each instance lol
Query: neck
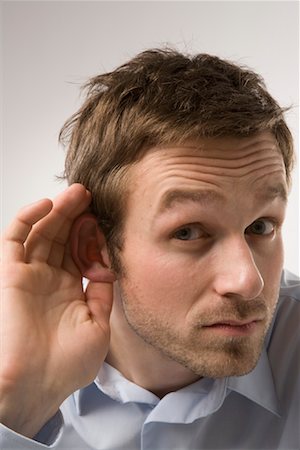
(140, 362)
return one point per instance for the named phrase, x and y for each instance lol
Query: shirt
(256, 411)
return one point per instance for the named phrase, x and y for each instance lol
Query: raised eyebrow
(205, 196)
(200, 196)
(271, 192)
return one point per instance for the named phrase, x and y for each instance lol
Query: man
(183, 339)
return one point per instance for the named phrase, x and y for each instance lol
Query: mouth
(234, 328)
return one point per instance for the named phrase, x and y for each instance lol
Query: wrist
(24, 415)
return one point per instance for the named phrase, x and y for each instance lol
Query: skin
(197, 292)
(195, 297)
(53, 336)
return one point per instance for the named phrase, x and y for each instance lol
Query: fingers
(16, 234)
(48, 239)
(40, 231)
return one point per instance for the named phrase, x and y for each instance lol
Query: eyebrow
(270, 192)
(201, 196)
(207, 196)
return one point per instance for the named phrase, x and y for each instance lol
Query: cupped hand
(53, 335)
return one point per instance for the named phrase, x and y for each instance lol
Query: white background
(51, 48)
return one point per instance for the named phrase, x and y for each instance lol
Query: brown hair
(161, 97)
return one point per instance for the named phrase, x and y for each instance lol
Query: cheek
(158, 280)
(272, 260)
(271, 268)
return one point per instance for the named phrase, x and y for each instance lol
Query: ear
(89, 250)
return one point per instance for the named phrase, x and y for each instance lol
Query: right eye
(189, 233)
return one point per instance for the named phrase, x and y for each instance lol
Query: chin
(232, 359)
(229, 368)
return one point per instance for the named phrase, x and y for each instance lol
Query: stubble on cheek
(205, 354)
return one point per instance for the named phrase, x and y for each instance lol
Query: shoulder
(286, 323)
(284, 351)
(284, 338)
(290, 286)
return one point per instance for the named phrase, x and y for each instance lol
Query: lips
(233, 327)
(233, 323)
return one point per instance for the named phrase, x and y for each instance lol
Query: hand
(54, 336)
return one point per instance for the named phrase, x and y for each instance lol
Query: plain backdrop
(50, 48)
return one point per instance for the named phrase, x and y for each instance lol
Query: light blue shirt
(260, 410)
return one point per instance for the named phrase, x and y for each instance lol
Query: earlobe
(89, 250)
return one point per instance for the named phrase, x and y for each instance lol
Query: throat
(160, 379)
(143, 364)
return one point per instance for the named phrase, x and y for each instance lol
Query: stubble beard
(205, 354)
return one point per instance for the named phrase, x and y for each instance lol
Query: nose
(236, 271)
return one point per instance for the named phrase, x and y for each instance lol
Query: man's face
(203, 251)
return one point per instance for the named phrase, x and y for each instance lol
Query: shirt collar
(257, 386)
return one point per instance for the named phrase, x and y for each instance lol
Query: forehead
(254, 164)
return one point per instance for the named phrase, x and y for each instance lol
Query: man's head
(202, 251)
(188, 161)
(160, 97)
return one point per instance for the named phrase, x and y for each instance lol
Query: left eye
(188, 233)
(262, 227)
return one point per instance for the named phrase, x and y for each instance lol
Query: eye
(189, 233)
(261, 227)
